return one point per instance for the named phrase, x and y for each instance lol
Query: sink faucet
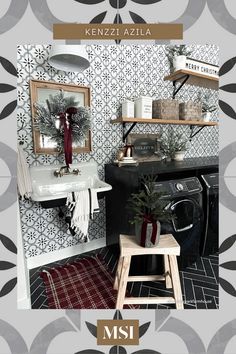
(65, 170)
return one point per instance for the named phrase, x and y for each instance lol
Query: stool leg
(118, 271)
(123, 282)
(167, 272)
(176, 282)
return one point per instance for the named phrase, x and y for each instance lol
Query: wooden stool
(169, 248)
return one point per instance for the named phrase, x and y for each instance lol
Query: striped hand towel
(83, 205)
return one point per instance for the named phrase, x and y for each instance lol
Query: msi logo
(117, 332)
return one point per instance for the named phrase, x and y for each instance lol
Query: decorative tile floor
(199, 283)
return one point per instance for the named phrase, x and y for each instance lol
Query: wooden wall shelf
(134, 121)
(194, 78)
(182, 77)
(163, 121)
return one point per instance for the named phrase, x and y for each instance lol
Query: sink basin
(46, 186)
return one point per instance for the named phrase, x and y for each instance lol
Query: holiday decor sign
(202, 67)
(146, 147)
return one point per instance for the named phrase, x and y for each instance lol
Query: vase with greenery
(173, 143)
(208, 106)
(148, 212)
(177, 55)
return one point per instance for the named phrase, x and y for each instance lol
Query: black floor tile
(189, 293)
(214, 257)
(136, 289)
(189, 307)
(205, 285)
(201, 278)
(210, 302)
(199, 282)
(200, 298)
(214, 260)
(195, 271)
(198, 265)
(215, 270)
(40, 302)
(144, 293)
(208, 267)
(211, 292)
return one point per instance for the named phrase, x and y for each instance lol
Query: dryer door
(186, 227)
(184, 212)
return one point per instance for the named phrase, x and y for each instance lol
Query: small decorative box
(166, 109)
(190, 111)
(143, 107)
(128, 109)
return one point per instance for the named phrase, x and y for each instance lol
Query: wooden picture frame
(38, 93)
(146, 147)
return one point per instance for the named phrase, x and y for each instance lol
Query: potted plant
(208, 106)
(181, 148)
(174, 146)
(149, 212)
(177, 55)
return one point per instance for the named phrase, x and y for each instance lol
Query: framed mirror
(39, 93)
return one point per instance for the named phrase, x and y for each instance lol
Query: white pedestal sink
(46, 186)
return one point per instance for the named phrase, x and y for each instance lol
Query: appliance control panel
(179, 186)
(184, 186)
(211, 180)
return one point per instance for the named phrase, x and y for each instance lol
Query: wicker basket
(165, 109)
(190, 110)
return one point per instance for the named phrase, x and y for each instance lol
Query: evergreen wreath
(47, 115)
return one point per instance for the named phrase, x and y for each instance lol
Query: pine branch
(148, 203)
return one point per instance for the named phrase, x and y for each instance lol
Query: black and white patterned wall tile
(115, 73)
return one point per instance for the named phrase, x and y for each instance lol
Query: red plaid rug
(84, 284)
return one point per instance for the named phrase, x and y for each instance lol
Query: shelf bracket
(125, 134)
(192, 135)
(176, 90)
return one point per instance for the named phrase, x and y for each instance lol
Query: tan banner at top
(117, 31)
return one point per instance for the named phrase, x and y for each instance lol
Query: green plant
(147, 203)
(172, 143)
(176, 50)
(207, 102)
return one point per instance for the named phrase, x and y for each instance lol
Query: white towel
(23, 175)
(83, 205)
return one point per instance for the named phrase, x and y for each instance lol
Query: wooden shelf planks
(163, 121)
(195, 78)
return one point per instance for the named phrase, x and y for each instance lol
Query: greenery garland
(48, 121)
